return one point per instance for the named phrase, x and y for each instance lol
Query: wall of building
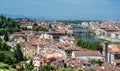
(66, 41)
(111, 57)
(90, 57)
(46, 36)
(30, 27)
(87, 57)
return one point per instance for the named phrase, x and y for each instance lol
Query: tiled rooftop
(87, 53)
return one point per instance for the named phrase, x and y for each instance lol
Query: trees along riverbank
(90, 45)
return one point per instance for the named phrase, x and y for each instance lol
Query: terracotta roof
(106, 67)
(75, 62)
(116, 60)
(68, 38)
(67, 46)
(18, 67)
(87, 53)
(25, 24)
(19, 34)
(115, 49)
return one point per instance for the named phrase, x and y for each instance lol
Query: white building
(100, 32)
(12, 44)
(36, 63)
(114, 55)
(50, 51)
(119, 36)
(87, 54)
(86, 24)
(113, 35)
(46, 36)
(28, 25)
(66, 39)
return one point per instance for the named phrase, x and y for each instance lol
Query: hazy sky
(63, 9)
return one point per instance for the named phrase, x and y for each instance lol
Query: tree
(6, 58)
(0, 39)
(18, 53)
(21, 68)
(79, 69)
(29, 67)
(4, 46)
(8, 25)
(34, 26)
(2, 56)
(100, 62)
(65, 65)
(40, 28)
(6, 38)
(2, 32)
(94, 61)
(47, 68)
(9, 60)
(71, 69)
(90, 45)
(2, 17)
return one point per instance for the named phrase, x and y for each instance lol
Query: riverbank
(108, 39)
(83, 34)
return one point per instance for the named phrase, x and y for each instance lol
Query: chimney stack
(105, 50)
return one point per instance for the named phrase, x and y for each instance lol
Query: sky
(63, 9)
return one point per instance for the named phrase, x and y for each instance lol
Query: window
(117, 56)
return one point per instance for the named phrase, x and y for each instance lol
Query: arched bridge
(86, 31)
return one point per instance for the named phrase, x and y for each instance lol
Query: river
(83, 36)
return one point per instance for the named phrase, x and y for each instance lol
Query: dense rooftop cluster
(47, 45)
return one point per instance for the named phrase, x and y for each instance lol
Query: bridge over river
(79, 31)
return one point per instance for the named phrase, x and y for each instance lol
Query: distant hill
(22, 16)
(13, 16)
(41, 18)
